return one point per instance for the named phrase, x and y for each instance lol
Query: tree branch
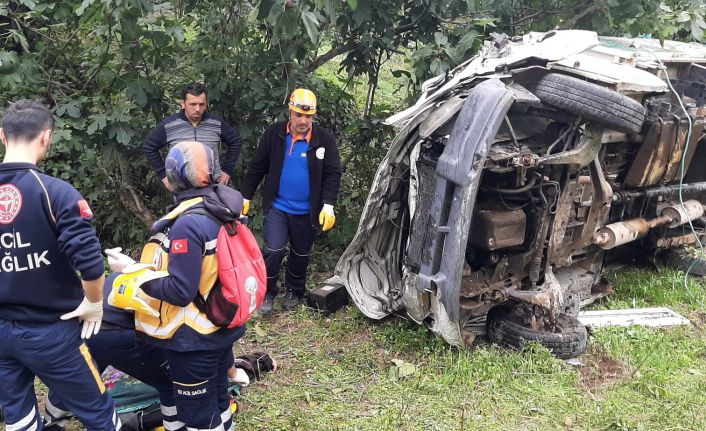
(411, 25)
(331, 54)
(572, 22)
(128, 192)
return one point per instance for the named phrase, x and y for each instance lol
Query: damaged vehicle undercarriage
(514, 176)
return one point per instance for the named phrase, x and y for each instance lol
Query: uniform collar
(307, 137)
(16, 166)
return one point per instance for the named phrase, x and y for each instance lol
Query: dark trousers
(121, 349)
(56, 354)
(281, 228)
(201, 388)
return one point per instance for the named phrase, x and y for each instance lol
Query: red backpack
(242, 278)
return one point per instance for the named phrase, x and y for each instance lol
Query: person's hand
(246, 207)
(117, 261)
(326, 217)
(90, 313)
(224, 179)
(167, 184)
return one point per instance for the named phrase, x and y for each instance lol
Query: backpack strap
(167, 220)
(202, 211)
(199, 301)
(230, 227)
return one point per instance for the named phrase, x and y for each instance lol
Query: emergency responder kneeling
(178, 264)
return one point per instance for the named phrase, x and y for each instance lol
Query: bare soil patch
(601, 370)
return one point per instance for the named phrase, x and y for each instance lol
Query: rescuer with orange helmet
(301, 166)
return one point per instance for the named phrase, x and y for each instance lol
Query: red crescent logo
(10, 203)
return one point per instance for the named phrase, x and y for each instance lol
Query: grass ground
(335, 373)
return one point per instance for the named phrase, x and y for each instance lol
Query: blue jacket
(46, 236)
(187, 250)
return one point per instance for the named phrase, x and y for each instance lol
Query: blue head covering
(189, 165)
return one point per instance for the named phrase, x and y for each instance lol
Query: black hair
(193, 88)
(24, 120)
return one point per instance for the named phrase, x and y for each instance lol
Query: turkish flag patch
(84, 209)
(180, 246)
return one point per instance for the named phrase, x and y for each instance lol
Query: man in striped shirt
(193, 123)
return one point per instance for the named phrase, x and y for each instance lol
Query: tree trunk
(128, 193)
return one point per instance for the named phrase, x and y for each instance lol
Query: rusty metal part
(681, 214)
(525, 160)
(537, 250)
(478, 293)
(650, 162)
(623, 232)
(601, 197)
(479, 283)
(586, 150)
(613, 136)
(676, 241)
(549, 296)
(697, 130)
(493, 230)
(666, 192)
(675, 156)
(583, 180)
(659, 158)
(500, 270)
(561, 219)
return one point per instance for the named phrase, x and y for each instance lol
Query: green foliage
(661, 19)
(110, 70)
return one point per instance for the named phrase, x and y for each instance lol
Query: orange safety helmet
(303, 101)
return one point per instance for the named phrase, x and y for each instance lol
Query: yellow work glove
(126, 293)
(326, 217)
(90, 313)
(246, 207)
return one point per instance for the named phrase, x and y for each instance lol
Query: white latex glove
(241, 377)
(117, 261)
(91, 314)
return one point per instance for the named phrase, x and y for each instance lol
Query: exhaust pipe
(623, 232)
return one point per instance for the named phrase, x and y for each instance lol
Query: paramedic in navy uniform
(46, 238)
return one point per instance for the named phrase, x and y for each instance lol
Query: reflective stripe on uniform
(161, 332)
(227, 416)
(116, 421)
(46, 193)
(172, 425)
(30, 419)
(218, 428)
(210, 245)
(169, 418)
(168, 410)
(89, 361)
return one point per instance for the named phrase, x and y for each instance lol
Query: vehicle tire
(682, 260)
(506, 329)
(591, 101)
